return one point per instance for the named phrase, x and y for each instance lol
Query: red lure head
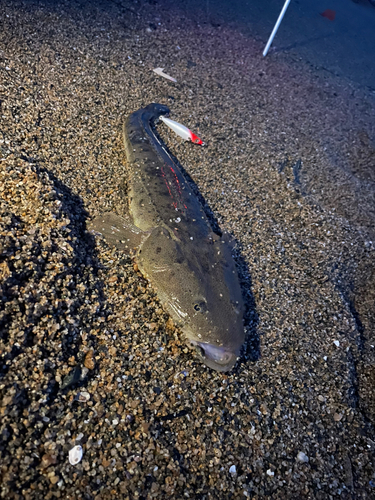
(194, 138)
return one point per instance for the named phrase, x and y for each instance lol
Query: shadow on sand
(64, 303)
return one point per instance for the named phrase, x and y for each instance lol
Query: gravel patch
(90, 362)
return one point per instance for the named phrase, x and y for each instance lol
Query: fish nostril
(200, 351)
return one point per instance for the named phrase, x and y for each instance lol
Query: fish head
(199, 287)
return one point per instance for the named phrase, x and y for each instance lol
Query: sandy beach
(88, 355)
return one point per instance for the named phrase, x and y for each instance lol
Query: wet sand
(88, 355)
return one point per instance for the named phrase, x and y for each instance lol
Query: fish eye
(200, 306)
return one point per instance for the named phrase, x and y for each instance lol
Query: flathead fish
(190, 267)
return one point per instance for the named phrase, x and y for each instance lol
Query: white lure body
(181, 130)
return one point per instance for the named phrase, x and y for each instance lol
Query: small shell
(302, 457)
(160, 72)
(233, 470)
(75, 455)
(83, 397)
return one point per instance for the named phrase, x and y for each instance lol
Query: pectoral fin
(118, 232)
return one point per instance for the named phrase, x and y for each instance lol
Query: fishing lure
(182, 131)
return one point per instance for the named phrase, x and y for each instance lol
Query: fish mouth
(215, 357)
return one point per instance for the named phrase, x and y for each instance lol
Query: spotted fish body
(189, 266)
